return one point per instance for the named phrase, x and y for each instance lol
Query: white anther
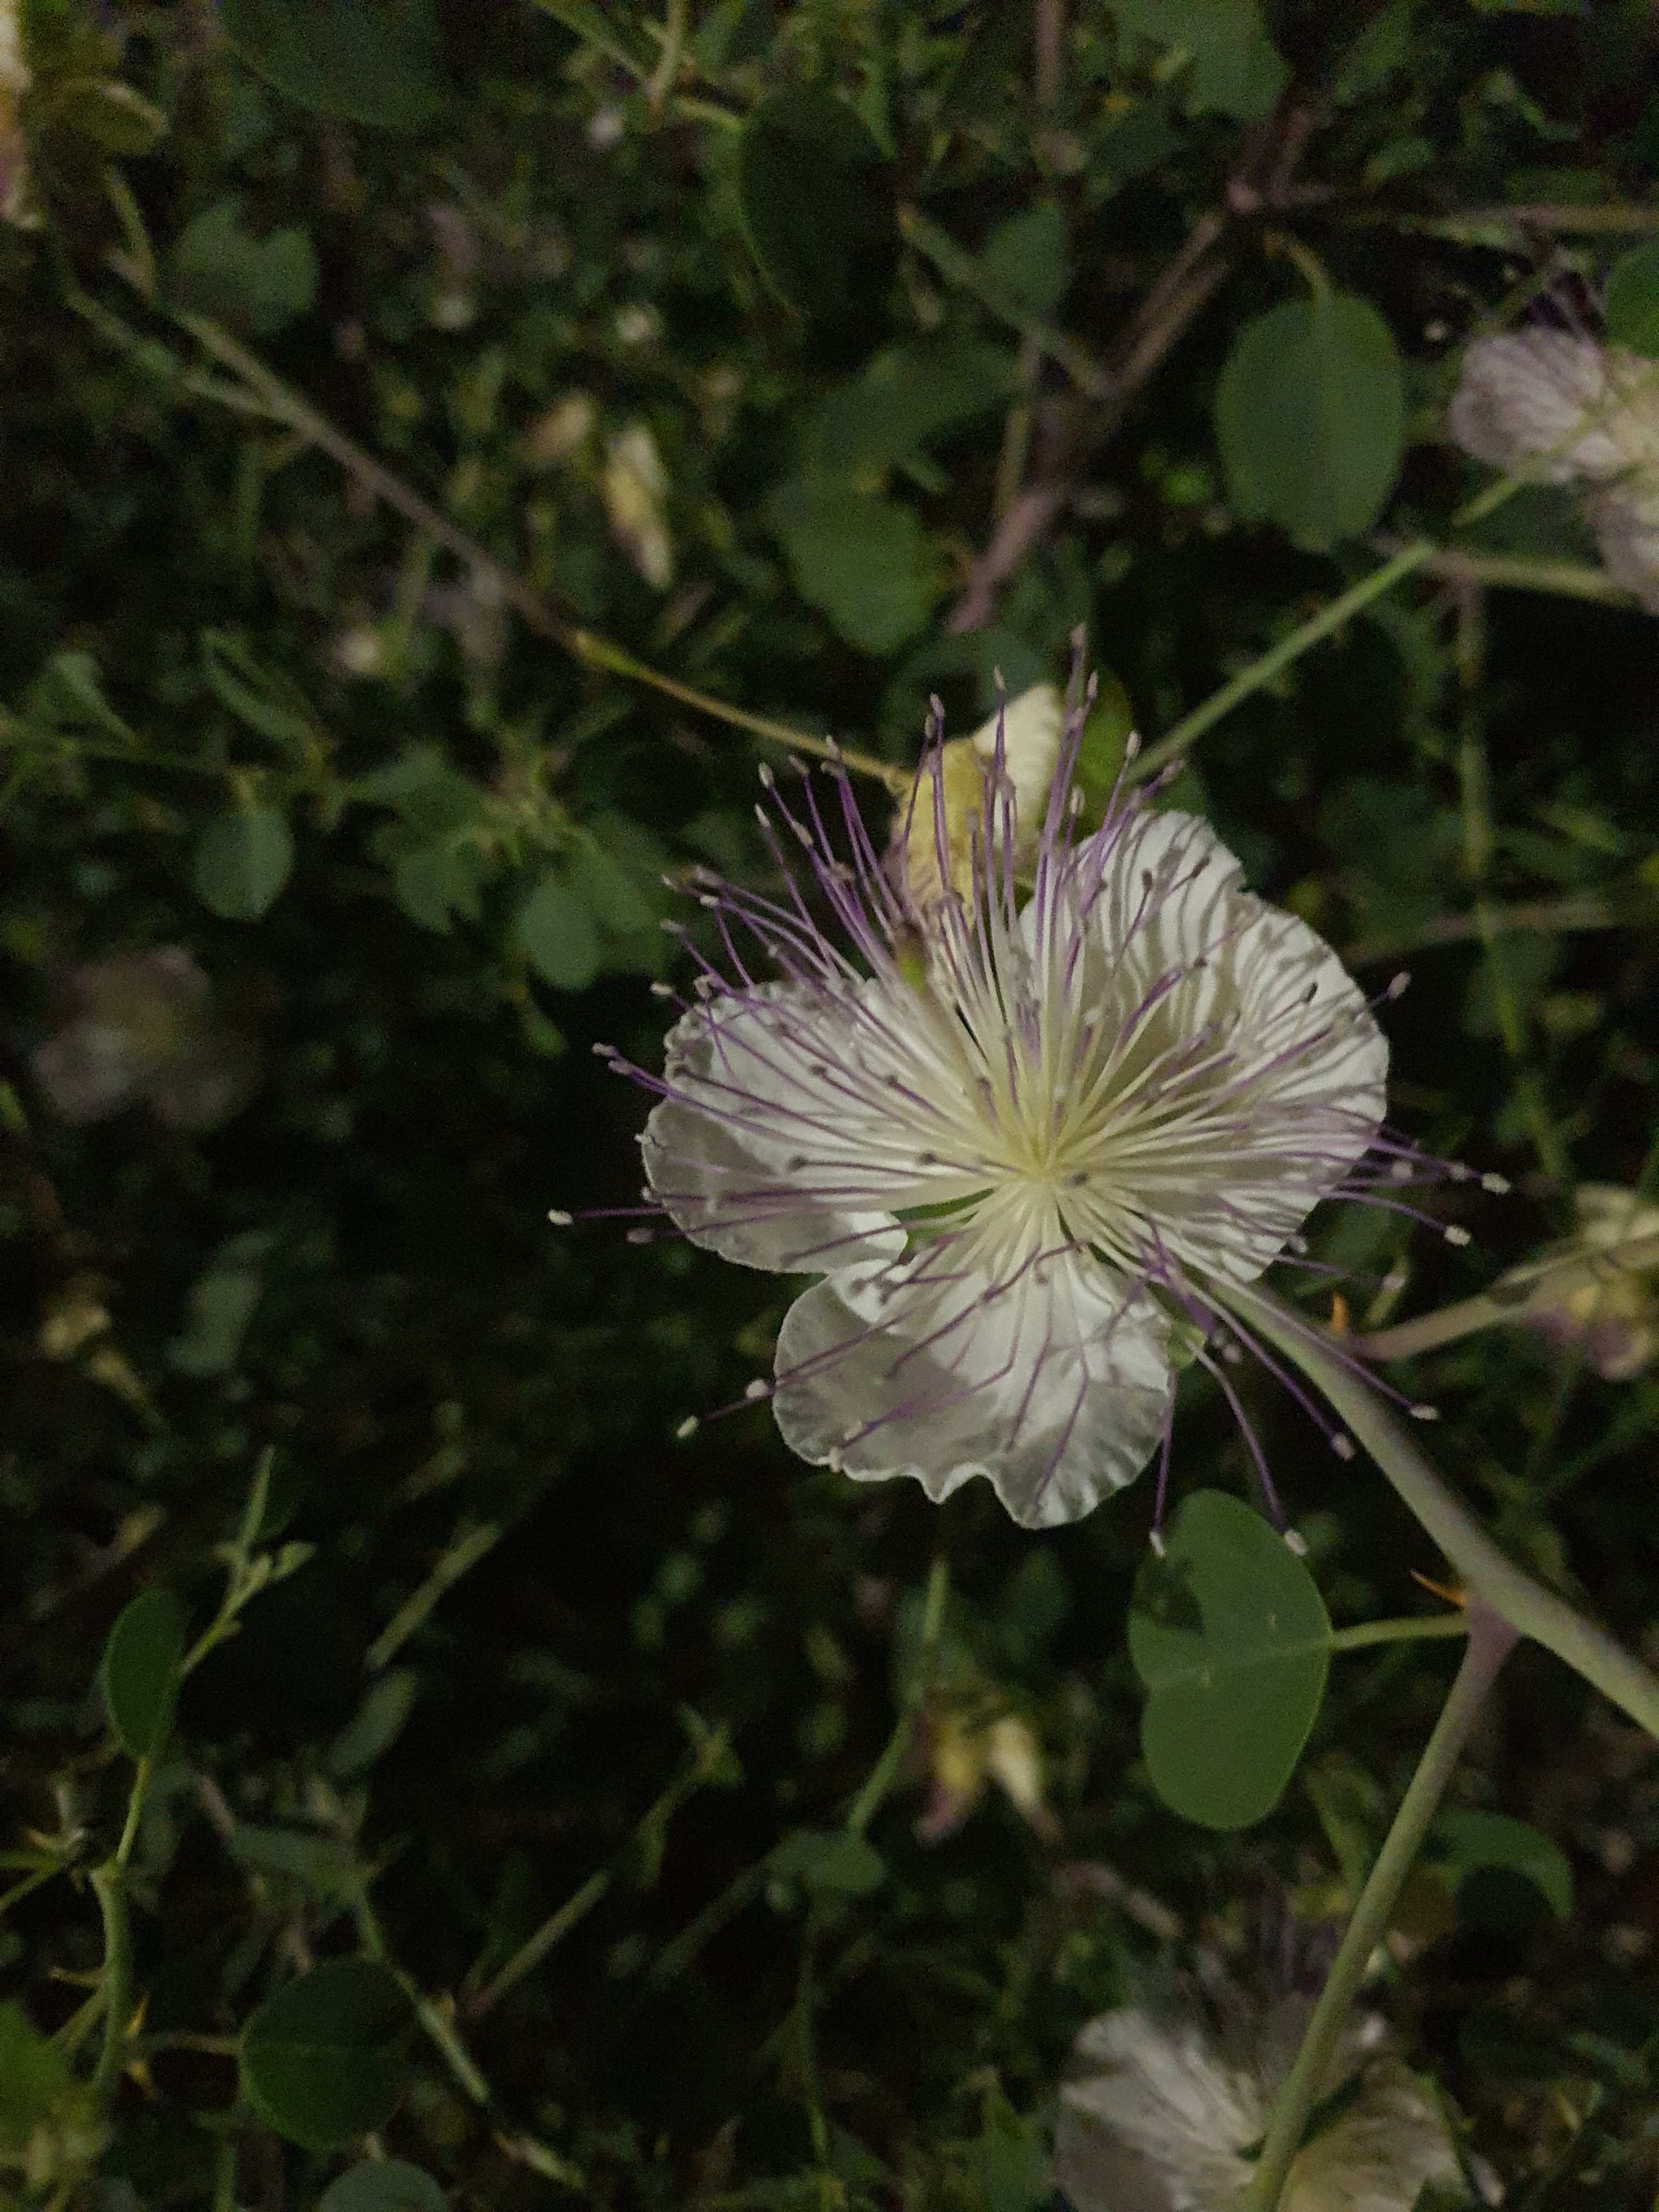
(559, 1217)
(1454, 1235)
(688, 1427)
(1342, 1446)
(1295, 1543)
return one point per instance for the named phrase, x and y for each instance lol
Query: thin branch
(1585, 911)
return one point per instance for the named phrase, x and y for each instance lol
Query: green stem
(1330, 619)
(1489, 1574)
(1491, 1640)
(109, 1887)
(885, 1772)
(1412, 1629)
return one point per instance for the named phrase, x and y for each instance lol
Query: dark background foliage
(728, 334)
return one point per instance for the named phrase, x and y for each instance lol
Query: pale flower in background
(1593, 1293)
(1575, 412)
(1165, 2115)
(559, 434)
(1027, 1137)
(636, 485)
(145, 1031)
(17, 199)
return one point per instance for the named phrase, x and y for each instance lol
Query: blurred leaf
(1630, 300)
(222, 1301)
(219, 269)
(325, 1865)
(264, 701)
(806, 187)
(829, 1861)
(1236, 69)
(40, 2095)
(1231, 1637)
(1311, 417)
(376, 1724)
(1025, 255)
(140, 1671)
(320, 2060)
(120, 122)
(360, 61)
(901, 397)
(383, 2185)
(433, 882)
(242, 861)
(557, 932)
(1463, 1843)
(865, 560)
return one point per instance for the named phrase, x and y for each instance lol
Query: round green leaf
(1231, 1637)
(805, 190)
(242, 861)
(321, 2061)
(383, 2185)
(1465, 1843)
(1311, 417)
(865, 560)
(222, 269)
(140, 1671)
(558, 933)
(830, 1862)
(1631, 299)
(359, 61)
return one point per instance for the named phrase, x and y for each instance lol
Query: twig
(1584, 911)
(1567, 579)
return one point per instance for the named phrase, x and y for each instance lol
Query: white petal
(1054, 1386)
(1626, 520)
(1255, 1075)
(753, 1154)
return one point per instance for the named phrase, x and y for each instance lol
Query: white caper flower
(1029, 1140)
(1166, 2114)
(1573, 411)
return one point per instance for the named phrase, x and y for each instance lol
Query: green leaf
(1462, 1842)
(39, 2094)
(1630, 301)
(1310, 416)
(1231, 1637)
(616, 901)
(383, 2185)
(1025, 256)
(325, 1865)
(433, 882)
(829, 1861)
(901, 397)
(359, 61)
(219, 269)
(265, 703)
(557, 932)
(865, 560)
(805, 190)
(242, 861)
(321, 2061)
(140, 1671)
(223, 1302)
(1104, 743)
(1235, 69)
(376, 1726)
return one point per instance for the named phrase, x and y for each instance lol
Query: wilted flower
(144, 1030)
(964, 1755)
(1029, 1144)
(1574, 411)
(635, 485)
(1028, 731)
(1165, 2115)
